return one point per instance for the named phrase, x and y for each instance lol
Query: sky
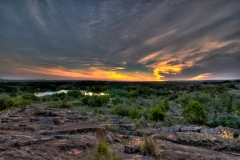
(120, 40)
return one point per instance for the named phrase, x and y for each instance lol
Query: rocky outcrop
(76, 128)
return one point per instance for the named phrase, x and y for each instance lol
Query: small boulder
(131, 150)
(22, 125)
(46, 121)
(175, 110)
(83, 118)
(109, 138)
(4, 118)
(172, 137)
(213, 139)
(174, 129)
(34, 119)
(58, 120)
(235, 135)
(113, 119)
(129, 127)
(117, 140)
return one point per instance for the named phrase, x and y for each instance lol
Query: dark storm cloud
(183, 37)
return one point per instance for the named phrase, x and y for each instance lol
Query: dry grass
(149, 147)
(101, 151)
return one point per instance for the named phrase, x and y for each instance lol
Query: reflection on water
(41, 94)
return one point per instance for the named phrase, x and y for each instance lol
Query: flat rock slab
(34, 119)
(47, 113)
(18, 119)
(83, 117)
(190, 129)
(74, 129)
(47, 148)
(172, 137)
(174, 129)
(173, 151)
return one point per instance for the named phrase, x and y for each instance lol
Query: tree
(132, 94)
(194, 113)
(74, 94)
(157, 113)
(6, 102)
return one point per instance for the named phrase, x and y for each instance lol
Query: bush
(228, 120)
(60, 104)
(194, 113)
(66, 105)
(166, 105)
(30, 97)
(95, 101)
(121, 110)
(74, 94)
(6, 102)
(168, 119)
(157, 113)
(117, 100)
(118, 92)
(132, 94)
(134, 114)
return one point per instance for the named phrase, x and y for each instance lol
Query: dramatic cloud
(141, 40)
(201, 77)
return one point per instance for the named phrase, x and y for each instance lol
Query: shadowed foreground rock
(50, 134)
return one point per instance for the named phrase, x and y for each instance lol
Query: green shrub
(60, 104)
(101, 100)
(95, 101)
(166, 105)
(168, 119)
(157, 113)
(194, 113)
(134, 114)
(85, 100)
(121, 110)
(117, 100)
(6, 102)
(74, 94)
(66, 105)
(132, 94)
(30, 97)
(228, 120)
